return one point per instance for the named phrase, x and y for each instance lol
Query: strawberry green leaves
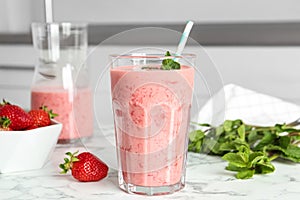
(169, 64)
(67, 165)
(248, 149)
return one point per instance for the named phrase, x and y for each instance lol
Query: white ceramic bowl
(27, 150)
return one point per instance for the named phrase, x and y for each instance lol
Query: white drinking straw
(48, 11)
(184, 38)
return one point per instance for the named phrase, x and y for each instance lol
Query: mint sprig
(248, 149)
(169, 64)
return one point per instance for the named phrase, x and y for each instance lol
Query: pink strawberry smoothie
(75, 113)
(151, 113)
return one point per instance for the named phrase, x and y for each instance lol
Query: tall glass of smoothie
(151, 115)
(61, 77)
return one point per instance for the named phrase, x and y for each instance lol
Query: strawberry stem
(4, 102)
(5, 122)
(50, 112)
(68, 164)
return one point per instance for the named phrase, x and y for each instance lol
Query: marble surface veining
(206, 178)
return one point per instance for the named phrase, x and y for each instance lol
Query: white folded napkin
(235, 102)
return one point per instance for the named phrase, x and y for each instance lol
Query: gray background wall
(16, 15)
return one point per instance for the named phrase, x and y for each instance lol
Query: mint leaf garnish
(169, 64)
(248, 149)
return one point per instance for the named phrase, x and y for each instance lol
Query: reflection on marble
(206, 179)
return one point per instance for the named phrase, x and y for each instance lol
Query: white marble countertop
(206, 179)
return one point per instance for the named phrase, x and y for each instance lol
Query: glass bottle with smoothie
(61, 78)
(151, 106)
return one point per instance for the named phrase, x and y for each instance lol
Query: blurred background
(255, 44)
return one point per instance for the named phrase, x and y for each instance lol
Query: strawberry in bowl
(41, 117)
(14, 117)
(20, 135)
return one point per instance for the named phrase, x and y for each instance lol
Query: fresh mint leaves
(248, 149)
(169, 64)
(247, 163)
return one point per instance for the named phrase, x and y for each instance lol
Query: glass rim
(151, 56)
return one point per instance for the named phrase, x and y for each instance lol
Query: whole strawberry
(41, 117)
(14, 117)
(85, 167)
